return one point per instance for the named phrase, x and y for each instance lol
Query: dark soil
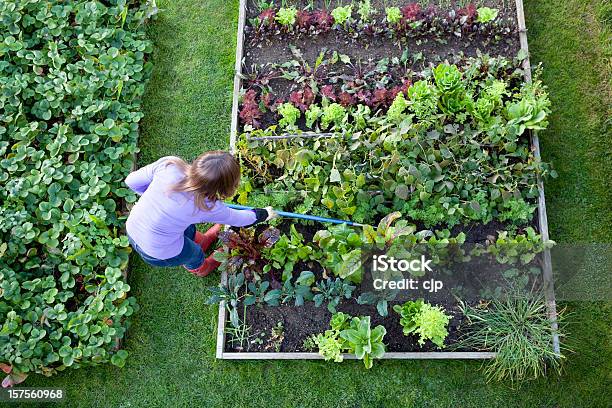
(276, 49)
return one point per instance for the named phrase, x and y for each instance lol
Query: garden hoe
(301, 216)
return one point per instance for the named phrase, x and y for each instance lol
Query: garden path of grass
(172, 338)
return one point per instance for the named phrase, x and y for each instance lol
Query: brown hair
(212, 176)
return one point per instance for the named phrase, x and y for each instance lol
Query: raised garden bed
(368, 154)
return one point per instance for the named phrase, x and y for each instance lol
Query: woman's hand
(271, 213)
(264, 214)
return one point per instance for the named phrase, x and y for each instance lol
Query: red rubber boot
(209, 265)
(206, 239)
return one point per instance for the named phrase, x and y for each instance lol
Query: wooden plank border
(432, 355)
(542, 218)
(233, 135)
(547, 273)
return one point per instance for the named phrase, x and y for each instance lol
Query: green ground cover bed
(72, 76)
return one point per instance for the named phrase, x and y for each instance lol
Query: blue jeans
(191, 256)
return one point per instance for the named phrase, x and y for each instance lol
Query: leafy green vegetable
(427, 321)
(342, 249)
(289, 115)
(423, 101)
(408, 315)
(286, 16)
(332, 113)
(365, 10)
(287, 251)
(330, 346)
(342, 14)
(331, 291)
(353, 335)
(363, 341)
(393, 14)
(531, 110)
(313, 113)
(486, 14)
(396, 114)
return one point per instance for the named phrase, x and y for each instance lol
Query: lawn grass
(172, 338)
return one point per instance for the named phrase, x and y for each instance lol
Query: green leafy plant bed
(300, 275)
(435, 155)
(72, 75)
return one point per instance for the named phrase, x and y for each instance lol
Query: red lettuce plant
(379, 98)
(328, 92)
(323, 19)
(242, 252)
(364, 96)
(304, 19)
(468, 11)
(302, 99)
(250, 114)
(346, 99)
(267, 18)
(411, 12)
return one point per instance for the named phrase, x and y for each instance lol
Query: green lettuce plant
(427, 321)
(423, 102)
(286, 16)
(332, 113)
(365, 11)
(330, 346)
(313, 113)
(289, 115)
(486, 14)
(342, 14)
(393, 15)
(396, 114)
(353, 335)
(531, 110)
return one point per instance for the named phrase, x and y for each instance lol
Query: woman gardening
(174, 196)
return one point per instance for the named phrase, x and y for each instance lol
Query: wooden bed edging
(542, 221)
(547, 273)
(432, 355)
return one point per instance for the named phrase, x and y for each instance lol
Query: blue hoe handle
(301, 216)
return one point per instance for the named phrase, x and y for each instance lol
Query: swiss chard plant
(243, 251)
